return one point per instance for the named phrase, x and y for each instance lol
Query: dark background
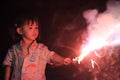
(54, 16)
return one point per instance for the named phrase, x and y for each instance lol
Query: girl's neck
(25, 43)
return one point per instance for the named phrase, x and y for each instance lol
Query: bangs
(30, 21)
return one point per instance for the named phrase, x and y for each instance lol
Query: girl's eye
(36, 28)
(30, 27)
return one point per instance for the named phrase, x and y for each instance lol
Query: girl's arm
(58, 60)
(7, 72)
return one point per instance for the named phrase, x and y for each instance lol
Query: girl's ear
(19, 30)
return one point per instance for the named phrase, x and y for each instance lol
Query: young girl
(27, 59)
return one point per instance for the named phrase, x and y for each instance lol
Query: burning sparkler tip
(75, 60)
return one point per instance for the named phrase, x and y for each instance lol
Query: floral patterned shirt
(30, 67)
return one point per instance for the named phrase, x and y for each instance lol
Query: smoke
(105, 25)
(70, 33)
(68, 27)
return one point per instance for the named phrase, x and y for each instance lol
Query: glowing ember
(95, 44)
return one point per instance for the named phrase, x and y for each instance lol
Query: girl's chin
(33, 38)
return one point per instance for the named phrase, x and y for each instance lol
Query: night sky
(55, 16)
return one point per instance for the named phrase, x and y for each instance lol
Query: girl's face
(30, 31)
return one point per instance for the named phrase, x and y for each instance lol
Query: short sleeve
(8, 59)
(47, 53)
(51, 53)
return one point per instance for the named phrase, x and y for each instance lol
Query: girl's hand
(67, 61)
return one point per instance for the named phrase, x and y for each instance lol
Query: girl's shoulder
(42, 46)
(16, 45)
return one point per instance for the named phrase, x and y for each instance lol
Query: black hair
(19, 21)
